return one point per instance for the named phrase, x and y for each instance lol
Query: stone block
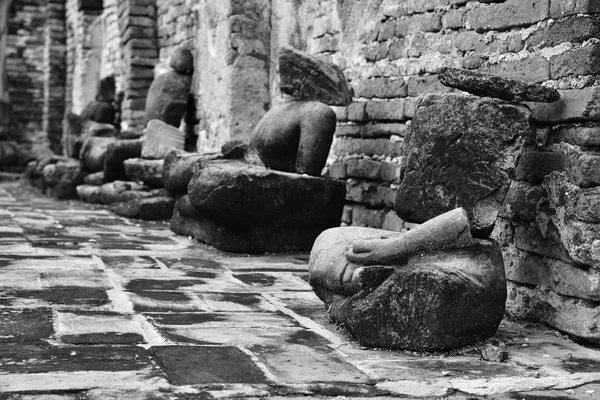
(387, 30)
(587, 208)
(532, 68)
(122, 191)
(574, 105)
(356, 112)
(368, 147)
(581, 166)
(247, 208)
(160, 138)
(148, 208)
(372, 194)
(567, 314)
(178, 168)
(384, 88)
(419, 85)
(578, 61)
(580, 239)
(509, 14)
(576, 134)
(392, 222)
(61, 178)
(571, 7)
(364, 168)
(521, 201)
(96, 179)
(398, 49)
(337, 170)
(494, 86)
(566, 279)
(376, 51)
(372, 130)
(453, 19)
(147, 171)
(533, 166)
(390, 172)
(363, 216)
(529, 237)
(391, 110)
(572, 30)
(460, 152)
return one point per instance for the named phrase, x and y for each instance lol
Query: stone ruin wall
(391, 52)
(24, 65)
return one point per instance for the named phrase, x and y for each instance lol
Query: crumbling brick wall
(391, 52)
(25, 68)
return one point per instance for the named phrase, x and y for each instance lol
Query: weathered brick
(392, 110)
(573, 30)
(453, 19)
(376, 52)
(369, 147)
(367, 169)
(578, 134)
(371, 194)
(418, 85)
(529, 238)
(587, 207)
(341, 113)
(533, 68)
(393, 222)
(533, 166)
(397, 49)
(337, 170)
(560, 8)
(348, 130)
(466, 41)
(387, 30)
(372, 130)
(521, 201)
(362, 216)
(430, 22)
(380, 87)
(390, 172)
(511, 13)
(356, 111)
(574, 105)
(582, 167)
(564, 278)
(578, 61)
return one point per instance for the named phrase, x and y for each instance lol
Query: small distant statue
(168, 97)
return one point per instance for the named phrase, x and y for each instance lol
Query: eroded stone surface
(307, 77)
(160, 138)
(495, 86)
(464, 148)
(147, 171)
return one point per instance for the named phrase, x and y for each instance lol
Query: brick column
(137, 24)
(54, 73)
(4, 100)
(232, 60)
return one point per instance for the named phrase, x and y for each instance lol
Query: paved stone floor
(94, 306)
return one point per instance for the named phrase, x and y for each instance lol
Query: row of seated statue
(438, 286)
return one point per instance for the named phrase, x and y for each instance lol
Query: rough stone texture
(234, 150)
(116, 154)
(89, 193)
(179, 167)
(465, 148)
(93, 153)
(182, 61)
(95, 179)
(581, 166)
(246, 208)
(295, 137)
(168, 97)
(439, 300)
(62, 177)
(147, 208)
(122, 191)
(581, 239)
(160, 138)
(309, 78)
(495, 86)
(147, 171)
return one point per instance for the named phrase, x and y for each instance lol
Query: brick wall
(112, 57)
(25, 68)
(391, 52)
(4, 98)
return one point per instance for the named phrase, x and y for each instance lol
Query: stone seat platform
(239, 207)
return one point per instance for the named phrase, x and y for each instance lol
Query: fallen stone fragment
(494, 86)
(465, 148)
(116, 154)
(89, 194)
(309, 78)
(160, 138)
(147, 171)
(93, 153)
(120, 191)
(62, 178)
(179, 167)
(489, 352)
(95, 179)
(234, 149)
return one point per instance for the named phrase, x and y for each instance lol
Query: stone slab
(147, 171)
(192, 365)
